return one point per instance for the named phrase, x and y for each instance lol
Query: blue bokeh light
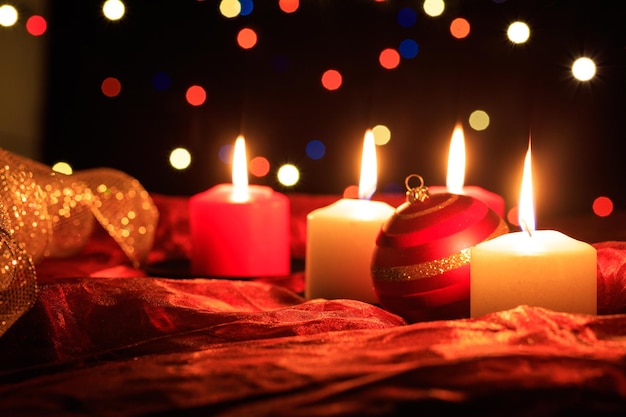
(246, 7)
(315, 149)
(226, 153)
(408, 48)
(407, 17)
(161, 81)
(393, 188)
(280, 64)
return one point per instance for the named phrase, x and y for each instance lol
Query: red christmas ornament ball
(420, 264)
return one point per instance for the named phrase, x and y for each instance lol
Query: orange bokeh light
(351, 191)
(460, 28)
(512, 216)
(331, 79)
(389, 58)
(246, 38)
(259, 166)
(289, 6)
(195, 95)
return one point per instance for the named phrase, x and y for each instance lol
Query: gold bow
(45, 214)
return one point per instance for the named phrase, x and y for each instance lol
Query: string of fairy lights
(518, 32)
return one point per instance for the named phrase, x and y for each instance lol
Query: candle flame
(456, 162)
(526, 210)
(367, 183)
(240, 172)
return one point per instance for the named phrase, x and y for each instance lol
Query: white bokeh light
(180, 158)
(288, 175)
(434, 8)
(584, 69)
(8, 15)
(518, 32)
(113, 9)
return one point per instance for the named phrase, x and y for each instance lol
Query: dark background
(576, 127)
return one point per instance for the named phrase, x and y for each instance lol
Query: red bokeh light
(36, 25)
(602, 206)
(111, 87)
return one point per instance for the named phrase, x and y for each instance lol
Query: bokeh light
(602, 206)
(36, 25)
(315, 149)
(434, 8)
(512, 216)
(408, 48)
(246, 38)
(280, 63)
(113, 9)
(351, 191)
(111, 87)
(63, 168)
(247, 6)
(226, 153)
(161, 81)
(584, 69)
(331, 79)
(196, 96)
(289, 6)
(230, 8)
(518, 32)
(8, 15)
(180, 158)
(460, 28)
(479, 120)
(407, 17)
(389, 58)
(288, 175)
(394, 188)
(382, 135)
(259, 166)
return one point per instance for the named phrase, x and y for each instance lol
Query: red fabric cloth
(106, 339)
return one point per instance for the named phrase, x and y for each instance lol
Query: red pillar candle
(456, 177)
(239, 230)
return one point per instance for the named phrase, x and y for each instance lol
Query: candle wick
(525, 227)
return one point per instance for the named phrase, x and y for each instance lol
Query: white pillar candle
(543, 268)
(340, 242)
(546, 269)
(340, 239)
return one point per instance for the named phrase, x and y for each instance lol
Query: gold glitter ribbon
(18, 286)
(46, 214)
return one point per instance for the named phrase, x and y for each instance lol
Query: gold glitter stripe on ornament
(449, 201)
(434, 267)
(422, 270)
